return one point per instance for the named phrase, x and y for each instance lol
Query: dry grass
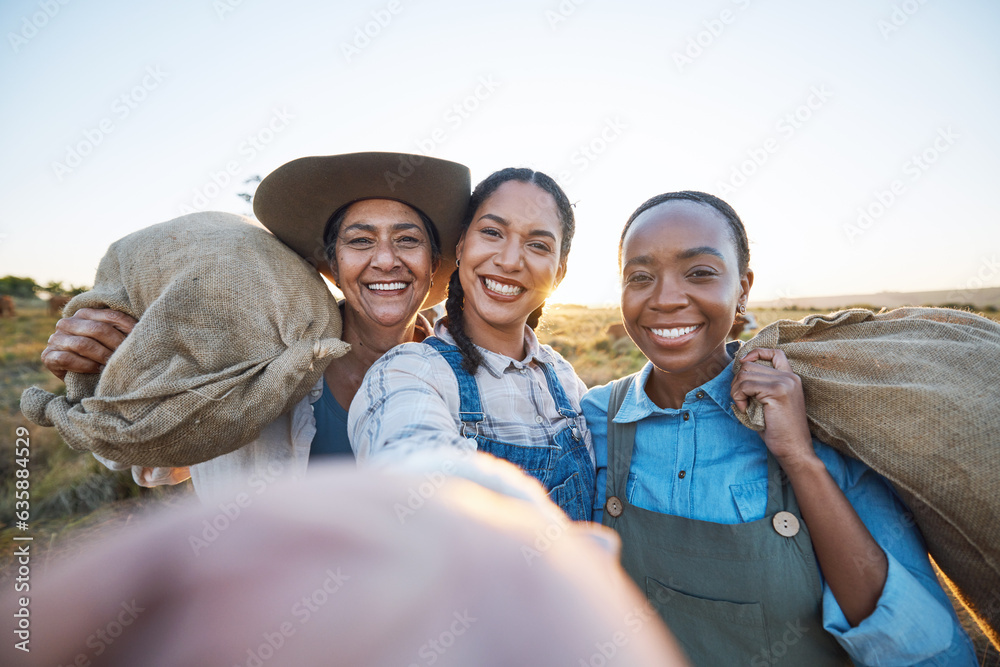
(71, 493)
(578, 334)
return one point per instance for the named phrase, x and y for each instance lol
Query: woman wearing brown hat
(380, 226)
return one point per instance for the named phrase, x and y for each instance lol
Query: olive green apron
(732, 594)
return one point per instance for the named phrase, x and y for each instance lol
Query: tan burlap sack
(234, 328)
(915, 394)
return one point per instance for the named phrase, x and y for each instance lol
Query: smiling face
(510, 260)
(383, 262)
(681, 285)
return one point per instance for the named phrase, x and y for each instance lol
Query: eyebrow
(641, 259)
(366, 227)
(684, 254)
(700, 250)
(534, 232)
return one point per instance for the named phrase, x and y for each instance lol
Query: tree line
(27, 288)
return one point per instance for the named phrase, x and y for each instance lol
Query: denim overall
(732, 594)
(563, 466)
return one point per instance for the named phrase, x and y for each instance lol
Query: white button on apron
(786, 524)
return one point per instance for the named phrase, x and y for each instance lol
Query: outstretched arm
(403, 406)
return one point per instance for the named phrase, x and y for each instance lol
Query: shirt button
(700, 394)
(539, 419)
(786, 524)
(682, 474)
(687, 416)
(614, 506)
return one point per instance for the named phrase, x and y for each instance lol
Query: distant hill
(980, 299)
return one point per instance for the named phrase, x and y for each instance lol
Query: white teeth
(673, 333)
(385, 287)
(500, 288)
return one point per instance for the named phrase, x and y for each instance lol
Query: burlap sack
(915, 394)
(234, 328)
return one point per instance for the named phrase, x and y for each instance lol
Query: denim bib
(563, 465)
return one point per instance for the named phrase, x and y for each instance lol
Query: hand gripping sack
(914, 393)
(234, 329)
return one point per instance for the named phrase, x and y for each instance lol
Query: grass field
(73, 498)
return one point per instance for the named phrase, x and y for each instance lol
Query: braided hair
(455, 305)
(737, 231)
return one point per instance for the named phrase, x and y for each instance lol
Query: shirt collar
(637, 404)
(495, 363)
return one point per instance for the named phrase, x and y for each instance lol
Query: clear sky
(859, 140)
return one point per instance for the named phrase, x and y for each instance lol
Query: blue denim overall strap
(732, 594)
(572, 477)
(563, 466)
(558, 394)
(470, 409)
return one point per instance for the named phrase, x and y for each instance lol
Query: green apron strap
(777, 486)
(621, 438)
(779, 490)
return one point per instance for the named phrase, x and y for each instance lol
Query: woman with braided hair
(483, 381)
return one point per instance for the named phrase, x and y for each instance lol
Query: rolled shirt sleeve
(914, 622)
(147, 477)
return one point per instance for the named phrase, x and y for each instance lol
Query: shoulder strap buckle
(471, 418)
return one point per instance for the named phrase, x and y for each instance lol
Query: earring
(741, 309)
(458, 263)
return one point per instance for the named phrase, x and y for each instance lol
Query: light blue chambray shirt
(725, 481)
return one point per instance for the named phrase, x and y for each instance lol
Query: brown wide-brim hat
(297, 200)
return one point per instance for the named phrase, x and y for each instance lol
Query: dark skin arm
(852, 562)
(84, 343)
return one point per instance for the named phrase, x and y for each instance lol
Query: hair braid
(535, 317)
(454, 306)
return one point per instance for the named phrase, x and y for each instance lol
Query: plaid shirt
(409, 400)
